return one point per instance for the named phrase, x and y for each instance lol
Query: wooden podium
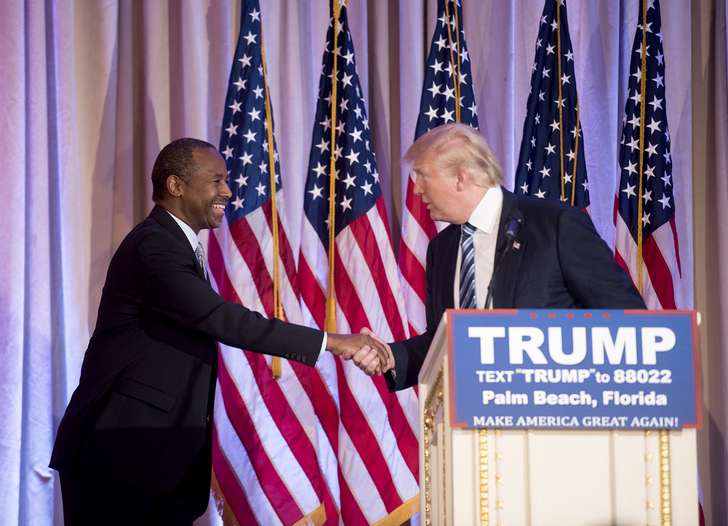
(547, 477)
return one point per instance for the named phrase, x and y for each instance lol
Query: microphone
(512, 227)
(510, 231)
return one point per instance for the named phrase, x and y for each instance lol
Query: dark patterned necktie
(467, 267)
(200, 254)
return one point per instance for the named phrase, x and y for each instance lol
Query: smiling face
(199, 199)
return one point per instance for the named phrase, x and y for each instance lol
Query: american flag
(448, 80)
(266, 435)
(373, 437)
(647, 244)
(551, 163)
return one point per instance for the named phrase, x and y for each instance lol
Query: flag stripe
(375, 477)
(644, 202)
(659, 273)
(356, 316)
(365, 237)
(418, 210)
(365, 443)
(413, 271)
(273, 397)
(231, 486)
(273, 486)
(243, 477)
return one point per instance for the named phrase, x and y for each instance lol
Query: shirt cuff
(323, 345)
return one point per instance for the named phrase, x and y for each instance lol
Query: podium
(543, 477)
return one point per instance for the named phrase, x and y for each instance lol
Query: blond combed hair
(457, 146)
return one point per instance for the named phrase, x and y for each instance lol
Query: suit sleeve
(588, 266)
(173, 289)
(409, 355)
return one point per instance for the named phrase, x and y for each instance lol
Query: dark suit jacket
(560, 263)
(142, 410)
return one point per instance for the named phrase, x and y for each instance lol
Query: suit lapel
(449, 254)
(443, 271)
(161, 216)
(509, 266)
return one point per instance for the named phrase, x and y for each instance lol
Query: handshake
(365, 349)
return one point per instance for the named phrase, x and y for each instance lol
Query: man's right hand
(362, 347)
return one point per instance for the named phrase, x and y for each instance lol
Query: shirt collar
(486, 215)
(187, 229)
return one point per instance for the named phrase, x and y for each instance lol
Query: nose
(226, 192)
(418, 185)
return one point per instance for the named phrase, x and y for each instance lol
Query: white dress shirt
(187, 229)
(485, 218)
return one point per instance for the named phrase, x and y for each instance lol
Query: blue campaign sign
(595, 369)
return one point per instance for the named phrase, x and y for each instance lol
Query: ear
(174, 186)
(462, 180)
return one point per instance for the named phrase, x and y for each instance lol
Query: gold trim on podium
(483, 495)
(432, 405)
(665, 479)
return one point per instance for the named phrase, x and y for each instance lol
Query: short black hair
(174, 159)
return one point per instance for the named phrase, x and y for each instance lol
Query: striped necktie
(200, 254)
(467, 267)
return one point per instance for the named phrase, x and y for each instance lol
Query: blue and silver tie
(467, 267)
(200, 255)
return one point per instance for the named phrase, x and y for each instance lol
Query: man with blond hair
(501, 250)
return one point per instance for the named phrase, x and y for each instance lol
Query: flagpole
(576, 151)
(455, 65)
(561, 96)
(275, 364)
(643, 88)
(331, 299)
